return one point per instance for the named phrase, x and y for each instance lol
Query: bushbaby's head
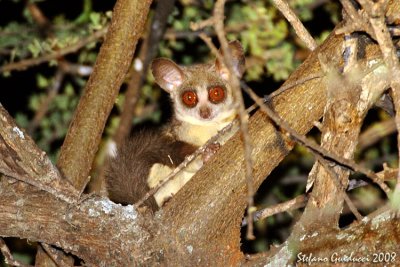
(200, 93)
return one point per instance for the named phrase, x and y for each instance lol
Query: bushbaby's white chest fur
(198, 134)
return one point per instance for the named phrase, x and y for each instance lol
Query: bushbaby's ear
(238, 60)
(167, 74)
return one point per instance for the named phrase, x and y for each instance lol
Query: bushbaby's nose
(205, 112)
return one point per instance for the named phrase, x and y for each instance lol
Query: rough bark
(377, 233)
(22, 159)
(98, 231)
(350, 96)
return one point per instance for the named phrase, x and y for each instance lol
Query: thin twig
(234, 82)
(75, 69)
(388, 173)
(37, 14)
(336, 180)
(286, 87)
(132, 93)
(44, 107)
(295, 203)
(316, 4)
(196, 26)
(350, 48)
(356, 21)
(391, 59)
(26, 63)
(300, 201)
(250, 190)
(8, 257)
(55, 255)
(376, 132)
(172, 34)
(298, 27)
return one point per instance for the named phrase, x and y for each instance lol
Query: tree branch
(9, 259)
(22, 159)
(147, 52)
(26, 63)
(298, 27)
(84, 133)
(361, 240)
(98, 231)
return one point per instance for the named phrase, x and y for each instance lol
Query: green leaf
(95, 18)
(62, 102)
(395, 199)
(69, 90)
(35, 48)
(35, 101)
(41, 81)
(22, 120)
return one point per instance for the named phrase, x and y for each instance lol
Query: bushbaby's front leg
(210, 151)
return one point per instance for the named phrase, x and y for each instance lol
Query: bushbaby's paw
(210, 151)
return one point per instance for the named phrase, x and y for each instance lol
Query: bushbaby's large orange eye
(189, 98)
(216, 94)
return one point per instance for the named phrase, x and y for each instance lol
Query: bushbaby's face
(200, 93)
(203, 97)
